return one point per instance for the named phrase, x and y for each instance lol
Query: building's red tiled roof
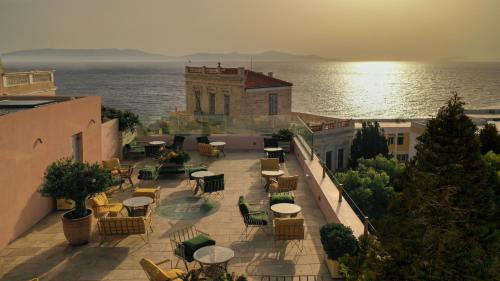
(255, 80)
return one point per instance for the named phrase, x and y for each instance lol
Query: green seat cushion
(259, 218)
(243, 205)
(281, 198)
(193, 244)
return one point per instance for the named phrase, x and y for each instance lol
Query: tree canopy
(127, 120)
(368, 143)
(490, 140)
(444, 224)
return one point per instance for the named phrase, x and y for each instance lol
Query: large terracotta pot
(77, 231)
(333, 267)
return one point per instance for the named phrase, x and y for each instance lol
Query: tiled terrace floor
(43, 251)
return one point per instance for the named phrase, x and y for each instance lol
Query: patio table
(213, 259)
(137, 206)
(199, 176)
(286, 209)
(219, 145)
(269, 175)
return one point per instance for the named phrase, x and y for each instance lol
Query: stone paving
(43, 251)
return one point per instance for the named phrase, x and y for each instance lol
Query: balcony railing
(27, 78)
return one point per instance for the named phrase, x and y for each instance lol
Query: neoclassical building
(235, 92)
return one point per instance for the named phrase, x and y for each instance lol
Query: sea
(358, 90)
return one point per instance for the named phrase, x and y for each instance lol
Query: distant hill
(84, 55)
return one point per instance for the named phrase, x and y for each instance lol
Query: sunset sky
(343, 29)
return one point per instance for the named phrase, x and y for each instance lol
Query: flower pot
(77, 231)
(333, 267)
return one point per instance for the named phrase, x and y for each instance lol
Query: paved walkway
(43, 251)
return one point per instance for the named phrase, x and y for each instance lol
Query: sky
(336, 29)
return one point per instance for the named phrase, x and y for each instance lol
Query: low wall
(111, 142)
(325, 191)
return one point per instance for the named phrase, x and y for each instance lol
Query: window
(211, 104)
(402, 157)
(329, 160)
(226, 104)
(340, 158)
(197, 101)
(401, 139)
(390, 139)
(76, 144)
(273, 104)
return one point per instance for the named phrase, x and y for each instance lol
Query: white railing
(27, 78)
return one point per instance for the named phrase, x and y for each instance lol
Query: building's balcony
(28, 83)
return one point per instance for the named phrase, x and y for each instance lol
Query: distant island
(130, 55)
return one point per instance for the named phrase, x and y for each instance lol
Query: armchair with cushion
(207, 150)
(282, 191)
(252, 218)
(151, 192)
(289, 229)
(101, 206)
(178, 142)
(114, 166)
(155, 273)
(186, 241)
(125, 226)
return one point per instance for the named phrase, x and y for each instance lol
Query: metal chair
(289, 229)
(270, 142)
(213, 187)
(178, 243)
(178, 142)
(252, 218)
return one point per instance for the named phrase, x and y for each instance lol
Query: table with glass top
(213, 259)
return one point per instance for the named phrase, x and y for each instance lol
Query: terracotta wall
(23, 159)
(111, 141)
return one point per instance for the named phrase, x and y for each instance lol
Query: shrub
(127, 120)
(283, 135)
(337, 240)
(177, 156)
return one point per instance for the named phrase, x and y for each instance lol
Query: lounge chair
(289, 229)
(101, 206)
(252, 218)
(155, 273)
(186, 241)
(114, 166)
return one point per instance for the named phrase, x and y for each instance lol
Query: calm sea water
(339, 89)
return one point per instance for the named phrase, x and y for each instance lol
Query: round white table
(213, 259)
(286, 209)
(271, 149)
(270, 175)
(219, 145)
(157, 143)
(137, 206)
(198, 176)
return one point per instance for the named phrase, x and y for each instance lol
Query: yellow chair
(114, 166)
(125, 226)
(155, 273)
(151, 192)
(101, 206)
(206, 149)
(289, 229)
(284, 184)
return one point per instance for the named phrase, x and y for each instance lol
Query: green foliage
(490, 140)
(74, 180)
(368, 143)
(392, 167)
(283, 135)
(126, 119)
(444, 224)
(337, 240)
(368, 187)
(177, 156)
(363, 265)
(230, 277)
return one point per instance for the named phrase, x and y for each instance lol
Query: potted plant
(284, 138)
(338, 240)
(76, 181)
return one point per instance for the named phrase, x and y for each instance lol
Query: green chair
(186, 241)
(281, 198)
(149, 172)
(252, 218)
(203, 139)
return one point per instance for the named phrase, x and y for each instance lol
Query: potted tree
(76, 181)
(284, 138)
(338, 240)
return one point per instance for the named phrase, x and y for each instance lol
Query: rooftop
(255, 80)
(9, 104)
(43, 251)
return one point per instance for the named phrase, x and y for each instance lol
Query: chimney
(270, 74)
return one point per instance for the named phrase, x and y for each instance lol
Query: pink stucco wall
(325, 191)
(111, 142)
(23, 159)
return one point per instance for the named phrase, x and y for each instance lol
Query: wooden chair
(269, 164)
(114, 166)
(101, 207)
(276, 154)
(207, 150)
(186, 241)
(285, 184)
(289, 229)
(155, 273)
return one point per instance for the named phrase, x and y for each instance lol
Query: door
(211, 104)
(76, 144)
(329, 160)
(340, 158)
(273, 104)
